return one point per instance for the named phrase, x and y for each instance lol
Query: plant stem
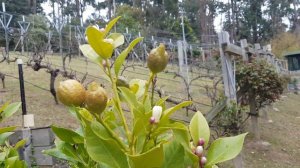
(112, 133)
(147, 86)
(152, 93)
(118, 102)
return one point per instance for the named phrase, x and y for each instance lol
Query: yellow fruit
(96, 98)
(71, 92)
(158, 59)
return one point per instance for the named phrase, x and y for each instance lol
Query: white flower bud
(199, 150)
(156, 113)
(203, 160)
(152, 120)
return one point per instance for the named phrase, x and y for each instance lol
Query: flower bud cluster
(199, 152)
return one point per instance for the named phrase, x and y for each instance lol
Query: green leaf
(174, 155)
(167, 113)
(121, 58)
(90, 53)
(58, 152)
(11, 162)
(7, 129)
(10, 110)
(67, 135)
(138, 87)
(199, 128)
(96, 40)
(4, 136)
(118, 39)
(70, 151)
(150, 159)
(55, 152)
(4, 106)
(110, 25)
(224, 149)
(100, 130)
(20, 144)
(130, 98)
(105, 151)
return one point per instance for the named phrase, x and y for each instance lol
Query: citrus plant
(146, 136)
(9, 156)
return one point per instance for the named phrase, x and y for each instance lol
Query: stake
(22, 90)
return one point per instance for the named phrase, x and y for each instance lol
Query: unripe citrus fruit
(96, 98)
(71, 92)
(158, 59)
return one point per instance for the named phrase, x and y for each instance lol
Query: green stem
(152, 93)
(117, 102)
(112, 133)
(147, 86)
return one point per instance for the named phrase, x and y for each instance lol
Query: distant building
(293, 59)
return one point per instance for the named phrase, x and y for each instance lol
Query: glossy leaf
(105, 151)
(55, 152)
(150, 159)
(90, 53)
(173, 155)
(4, 136)
(100, 130)
(20, 144)
(118, 39)
(96, 40)
(110, 25)
(10, 110)
(121, 58)
(224, 149)
(167, 113)
(199, 128)
(67, 135)
(138, 87)
(7, 129)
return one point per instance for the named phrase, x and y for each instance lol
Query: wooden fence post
(227, 67)
(228, 71)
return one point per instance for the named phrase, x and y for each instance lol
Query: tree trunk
(254, 117)
(53, 76)
(2, 77)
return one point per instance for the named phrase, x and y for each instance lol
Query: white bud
(199, 150)
(156, 113)
(203, 160)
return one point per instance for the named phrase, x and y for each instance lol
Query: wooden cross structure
(229, 50)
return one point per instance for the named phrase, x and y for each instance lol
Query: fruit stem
(147, 86)
(118, 102)
(152, 92)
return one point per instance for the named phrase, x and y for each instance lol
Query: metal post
(22, 90)
(5, 23)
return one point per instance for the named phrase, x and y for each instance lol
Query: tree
(258, 85)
